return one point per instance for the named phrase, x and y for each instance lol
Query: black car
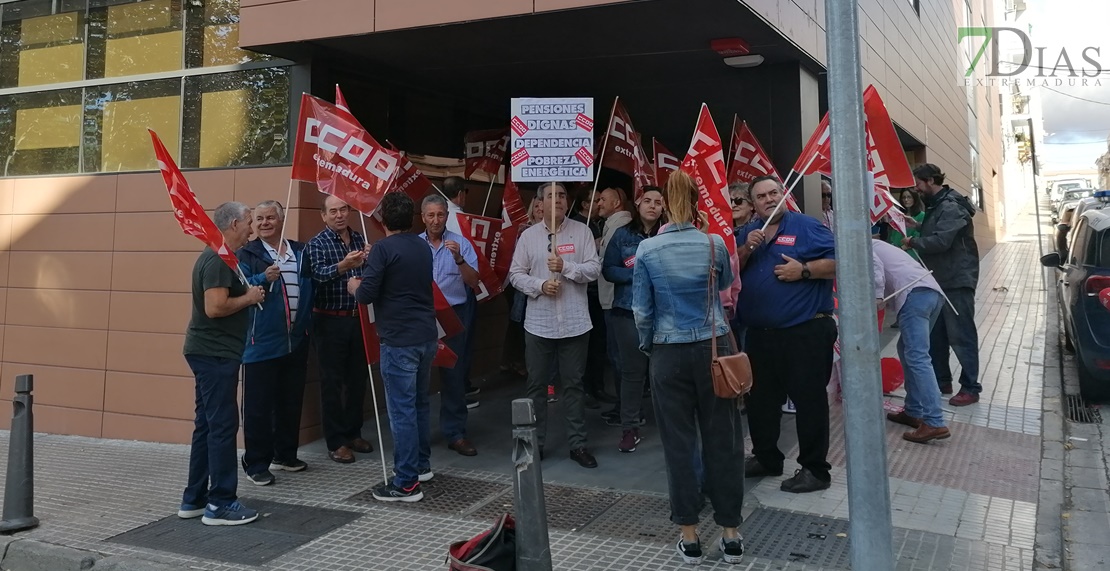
(1084, 272)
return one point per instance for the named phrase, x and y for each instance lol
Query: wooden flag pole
(285, 212)
(789, 189)
(489, 191)
(373, 391)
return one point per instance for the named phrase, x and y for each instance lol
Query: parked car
(1063, 231)
(1073, 195)
(1083, 274)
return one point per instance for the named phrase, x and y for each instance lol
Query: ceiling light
(750, 60)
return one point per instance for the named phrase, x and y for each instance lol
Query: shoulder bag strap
(710, 292)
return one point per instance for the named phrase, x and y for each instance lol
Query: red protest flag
(666, 162)
(447, 321)
(621, 141)
(481, 232)
(371, 344)
(816, 156)
(340, 101)
(444, 356)
(705, 162)
(447, 325)
(885, 156)
(190, 214)
(749, 160)
(410, 180)
(514, 215)
(485, 151)
(335, 152)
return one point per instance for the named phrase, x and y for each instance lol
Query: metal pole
(533, 546)
(864, 433)
(1036, 195)
(19, 487)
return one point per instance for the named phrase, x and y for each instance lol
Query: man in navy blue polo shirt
(786, 301)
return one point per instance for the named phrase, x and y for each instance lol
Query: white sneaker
(788, 408)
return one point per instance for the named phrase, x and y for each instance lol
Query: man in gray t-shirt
(214, 343)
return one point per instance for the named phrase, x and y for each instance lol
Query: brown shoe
(464, 447)
(343, 455)
(963, 398)
(925, 433)
(361, 445)
(902, 418)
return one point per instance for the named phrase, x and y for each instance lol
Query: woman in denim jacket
(671, 305)
(620, 258)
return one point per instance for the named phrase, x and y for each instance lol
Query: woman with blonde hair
(677, 318)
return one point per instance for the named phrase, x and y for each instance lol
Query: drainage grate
(647, 518)
(568, 508)
(448, 495)
(790, 536)
(1079, 411)
(280, 529)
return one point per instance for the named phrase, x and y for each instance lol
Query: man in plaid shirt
(338, 254)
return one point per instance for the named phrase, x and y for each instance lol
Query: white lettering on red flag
(816, 156)
(481, 232)
(884, 151)
(666, 162)
(705, 162)
(410, 180)
(514, 216)
(485, 151)
(335, 152)
(190, 215)
(620, 142)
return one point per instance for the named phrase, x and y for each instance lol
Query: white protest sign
(552, 139)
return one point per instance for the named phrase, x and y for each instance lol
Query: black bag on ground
(492, 550)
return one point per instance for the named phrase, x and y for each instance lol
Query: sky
(1076, 117)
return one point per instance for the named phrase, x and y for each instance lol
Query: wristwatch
(805, 271)
(460, 261)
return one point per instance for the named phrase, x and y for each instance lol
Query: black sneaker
(288, 465)
(612, 417)
(691, 553)
(391, 493)
(473, 391)
(731, 549)
(425, 475)
(263, 478)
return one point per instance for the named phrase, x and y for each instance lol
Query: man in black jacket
(947, 246)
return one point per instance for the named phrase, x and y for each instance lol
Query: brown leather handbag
(732, 374)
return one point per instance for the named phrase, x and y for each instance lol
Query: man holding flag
(214, 344)
(455, 271)
(398, 281)
(787, 305)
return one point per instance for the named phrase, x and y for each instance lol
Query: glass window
(129, 37)
(40, 133)
(117, 118)
(236, 119)
(42, 41)
(213, 35)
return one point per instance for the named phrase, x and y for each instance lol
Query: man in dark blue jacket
(276, 356)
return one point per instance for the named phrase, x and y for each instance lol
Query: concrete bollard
(533, 546)
(19, 487)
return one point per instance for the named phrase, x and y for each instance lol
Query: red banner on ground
(666, 162)
(705, 162)
(481, 232)
(485, 151)
(335, 152)
(885, 156)
(190, 214)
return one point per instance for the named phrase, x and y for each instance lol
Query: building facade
(94, 271)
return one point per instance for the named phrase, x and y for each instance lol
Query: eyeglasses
(737, 201)
(826, 195)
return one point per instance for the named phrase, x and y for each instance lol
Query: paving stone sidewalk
(966, 503)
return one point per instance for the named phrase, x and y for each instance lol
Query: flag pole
(370, 374)
(908, 286)
(285, 211)
(597, 163)
(786, 194)
(492, 179)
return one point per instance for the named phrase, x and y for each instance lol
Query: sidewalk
(969, 502)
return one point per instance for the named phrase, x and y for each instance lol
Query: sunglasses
(826, 195)
(737, 201)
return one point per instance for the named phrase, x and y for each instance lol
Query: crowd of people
(599, 283)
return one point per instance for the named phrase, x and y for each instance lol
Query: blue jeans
(406, 374)
(916, 320)
(452, 382)
(958, 333)
(212, 472)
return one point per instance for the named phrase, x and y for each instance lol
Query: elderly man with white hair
(214, 344)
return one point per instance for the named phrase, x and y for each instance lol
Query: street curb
(32, 555)
(1048, 548)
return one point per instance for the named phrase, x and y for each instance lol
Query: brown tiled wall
(94, 298)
